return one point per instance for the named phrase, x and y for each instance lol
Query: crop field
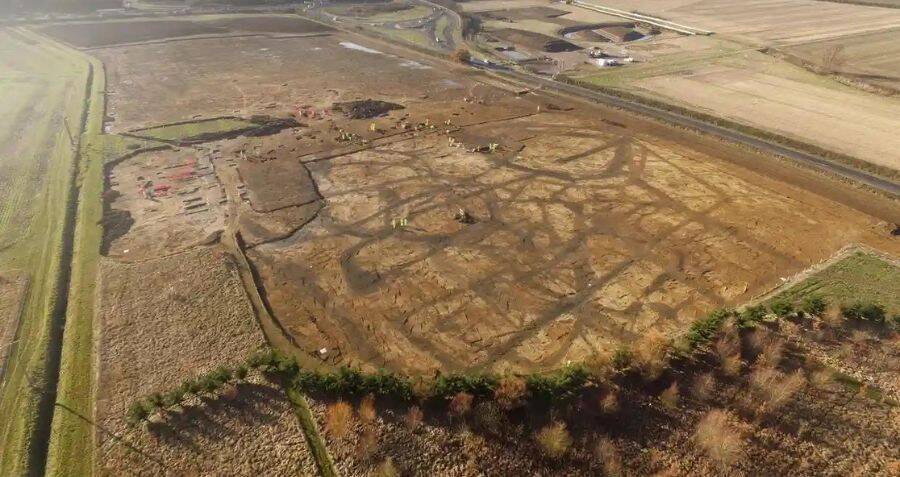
(872, 57)
(753, 88)
(12, 289)
(44, 96)
(382, 13)
(860, 276)
(768, 21)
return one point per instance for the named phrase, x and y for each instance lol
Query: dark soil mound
(366, 108)
(534, 41)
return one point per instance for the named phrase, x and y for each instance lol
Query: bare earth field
(586, 235)
(873, 57)
(767, 21)
(764, 94)
(165, 201)
(165, 320)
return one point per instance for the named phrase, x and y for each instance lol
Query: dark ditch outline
(262, 126)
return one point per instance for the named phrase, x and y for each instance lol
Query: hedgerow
(558, 385)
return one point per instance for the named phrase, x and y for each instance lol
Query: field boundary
(314, 440)
(808, 272)
(843, 78)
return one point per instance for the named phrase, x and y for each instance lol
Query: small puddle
(414, 65)
(353, 46)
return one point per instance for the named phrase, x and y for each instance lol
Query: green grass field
(191, 130)
(43, 89)
(858, 277)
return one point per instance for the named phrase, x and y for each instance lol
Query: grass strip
(311, 431)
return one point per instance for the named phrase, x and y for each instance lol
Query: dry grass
(608, 453)
(599, 365)
(820, 378)
(461, 404)
(650, 353)
(366, 410)
(554, 439)
(461, 55)
(771, 354)
(510, 391)
(387, 469)
(721, 442)
(774, 389)
(703, 387)
(670, 397)
(728, 349)
(421, 387)
(367, 443)
(609, 402)
(339, 419)
(413, 418)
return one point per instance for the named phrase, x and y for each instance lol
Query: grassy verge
(311, 431)
(71, 435)
(26, 398)
(859, 277)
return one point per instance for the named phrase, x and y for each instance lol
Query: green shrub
(704, 330)
(241, 372)
(190, 386)
(751, 316)
(209, 384)
(622, 358)
(860, 311)
(782, 308)
(559, 385)
(154, 401)
(136, 413)
(220, 375)
(813, 305)
(447, 386)
(262, 358)
(172, 398)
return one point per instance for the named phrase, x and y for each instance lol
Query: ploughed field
(475, 228)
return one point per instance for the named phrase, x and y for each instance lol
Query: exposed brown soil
(534, 41)
(585, 237)
(366, 108)
(528, 13)
(166, 320)
(161, 202)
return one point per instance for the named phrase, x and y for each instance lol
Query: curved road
(879, 183)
